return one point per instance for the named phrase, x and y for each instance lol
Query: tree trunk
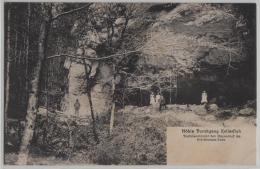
(32, 107)
(112, 118)
(15, 48)
(7, 84)
(27, 49)
(113, 105)
(93, 117)
(89, 85)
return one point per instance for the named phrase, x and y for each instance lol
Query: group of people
(157, 100)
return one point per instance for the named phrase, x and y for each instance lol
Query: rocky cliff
(204, 46)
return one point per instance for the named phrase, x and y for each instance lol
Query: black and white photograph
(98, 83)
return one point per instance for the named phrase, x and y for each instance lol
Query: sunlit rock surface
(100, 93)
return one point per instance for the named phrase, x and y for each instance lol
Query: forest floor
(139, 135)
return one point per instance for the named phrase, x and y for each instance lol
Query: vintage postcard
(95, 83)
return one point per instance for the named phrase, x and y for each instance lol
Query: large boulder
(247, 111)
(212, 107)
(199, 109)
(250, 103)
(224, 114)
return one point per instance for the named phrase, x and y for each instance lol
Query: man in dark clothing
(77, 107)
(162, 103)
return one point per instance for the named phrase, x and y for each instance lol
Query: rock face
(98, 73)
(203, 43)
(194, 33)
(100, 93)
(188, 38)
(91, 43)
(194, 37)
(75, 81)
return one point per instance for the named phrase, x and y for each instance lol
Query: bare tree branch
(71, 11)
(92, 58)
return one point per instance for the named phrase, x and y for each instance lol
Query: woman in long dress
(204, 97)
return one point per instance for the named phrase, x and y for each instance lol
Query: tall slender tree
(112, 118)
(27, 48)
(8, 48)
(32, 106)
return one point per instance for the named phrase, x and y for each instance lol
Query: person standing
(204, 98)
(152, 99)
(77, 107)
(157, 100)
(162, 102)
